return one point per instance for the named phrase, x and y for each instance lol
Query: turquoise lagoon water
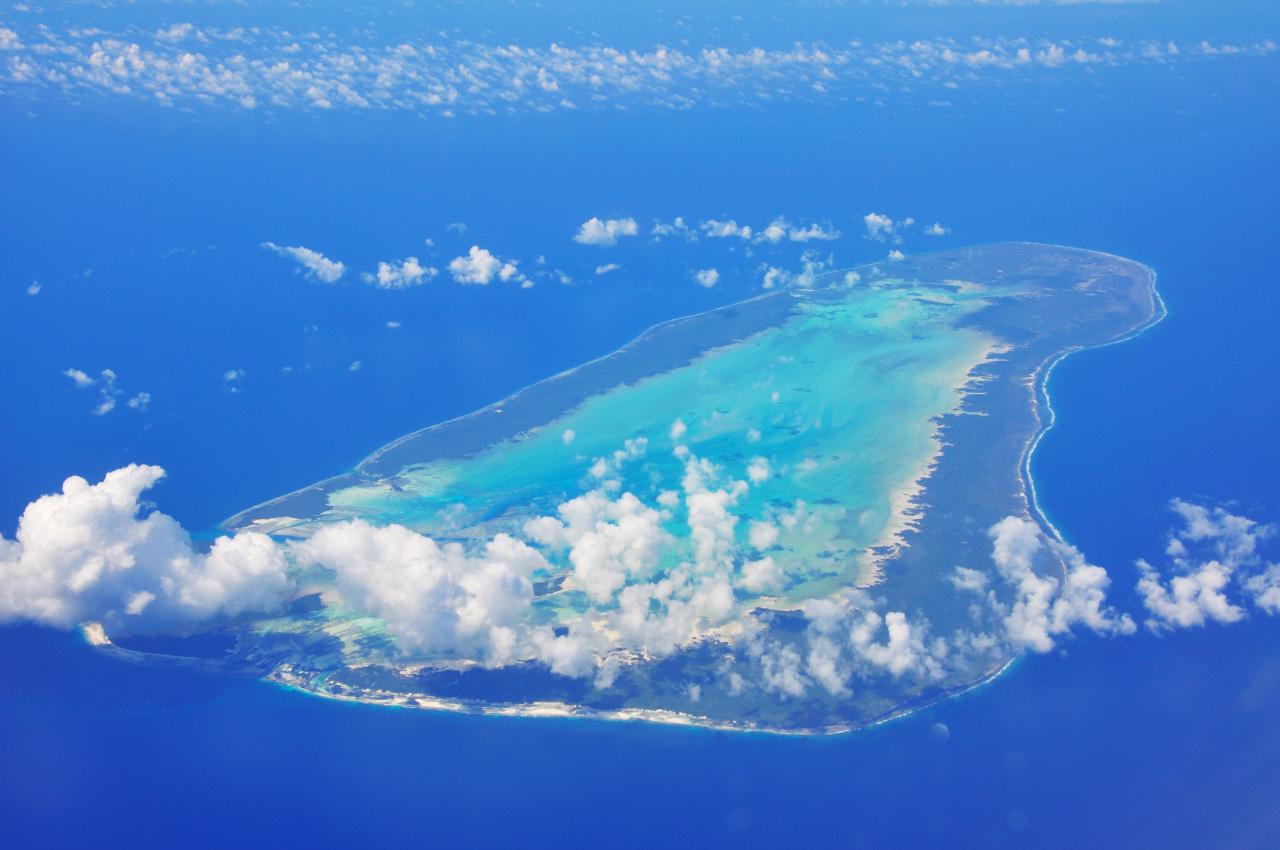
(837, 402)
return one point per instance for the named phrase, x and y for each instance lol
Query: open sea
(143, 226)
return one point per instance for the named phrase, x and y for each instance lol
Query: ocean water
(1167, 741)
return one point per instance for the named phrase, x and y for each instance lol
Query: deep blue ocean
(143, 226)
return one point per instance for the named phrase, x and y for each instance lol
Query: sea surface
(150, 266)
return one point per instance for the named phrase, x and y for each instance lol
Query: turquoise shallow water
(827, 418)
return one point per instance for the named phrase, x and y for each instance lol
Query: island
(772, 516)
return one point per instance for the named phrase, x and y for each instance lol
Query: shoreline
(905, 508)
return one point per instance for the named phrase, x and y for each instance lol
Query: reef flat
(777, 495)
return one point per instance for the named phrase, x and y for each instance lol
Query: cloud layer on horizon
(277, 69)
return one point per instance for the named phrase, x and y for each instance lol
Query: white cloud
(568, 436)
(717, 229)
(433, 598)
(242, 69)
(936, 229)
(355, 366)
(966, 579)
(711, 523)
(392, 324)
(812, 263)
(480, 266)
(780, 229)
(813, 232)
(608, 541)
(606, 268)
(80, 377)
(177, 32)
(568, 654)
(762, 576)
(1264, 588)
(1212, 548)
(1044, 607)
(903, 649)
(774, 232)
(895, 256)
(676, 227)
(140, 402)
(762, 535)
(759, 470)
(883, 228)
(780, 671)
(400, 274)
(1188, 600)
(843, 640)
(108, 393)
(86, 554)
(706, 277)
(595, 231)
(34, 288)
(314, 265)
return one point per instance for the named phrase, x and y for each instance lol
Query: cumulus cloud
(313, 264)
(730, 229)
(762, 576)
(400, 274)
(675, 227)
(108, 392)
(762, 535)
(1187, 600)
(850, 639)
(779, 229)
(231, 380)
(936, 229)
(569, 654)
(1212, 549)
(964, 578)
(79, 377)
(774, 276)
(812, 263)
(243, 68)
(706, 277)
(882, 228)
(603, 232)
(434, 599)
(481, 266)
(89, 553)
(1043, 606)
(711, 522)
(780, 669)
(606, 268)
(608, 541)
